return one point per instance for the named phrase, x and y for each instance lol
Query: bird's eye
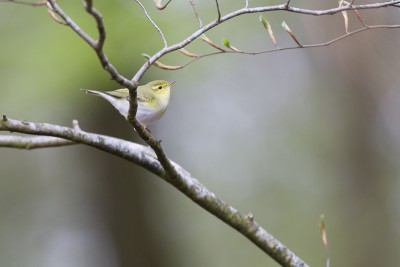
(159, 87)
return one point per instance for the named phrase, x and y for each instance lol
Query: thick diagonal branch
(184, 181)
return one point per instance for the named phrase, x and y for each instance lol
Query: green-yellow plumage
(152, 98)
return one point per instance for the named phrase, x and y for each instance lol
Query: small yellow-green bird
(152, 98)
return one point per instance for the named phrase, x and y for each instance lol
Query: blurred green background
(287, 136)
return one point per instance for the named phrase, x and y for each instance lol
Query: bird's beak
(171, 83)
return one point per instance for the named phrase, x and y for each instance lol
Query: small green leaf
(226, 43)
(264, 22)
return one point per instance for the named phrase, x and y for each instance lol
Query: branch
(195, 13)
(187, 184)
(39, 3)
(96, 45)
(276, 49)
(247, 10)
(218, 10)
(159, 163)
(152, 22)
(155, 144)
(24, 142)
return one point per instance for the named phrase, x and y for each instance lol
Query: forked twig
(248, 10)
(97, 45)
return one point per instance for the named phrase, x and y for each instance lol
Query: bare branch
(195, 13)
(96, 45)
(183, 181)
(32, 142)
(248, 10)
(218, 10)
(152, 22)
(39, 3)
(131, 85)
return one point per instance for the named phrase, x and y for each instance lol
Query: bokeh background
(287, 136)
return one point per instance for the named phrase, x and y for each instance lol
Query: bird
(152, 98)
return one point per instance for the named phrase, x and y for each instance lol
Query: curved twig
(152, 22)
(195, 13)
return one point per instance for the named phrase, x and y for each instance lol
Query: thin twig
(152, 22)
(292, 47)
(248, 10)
(39, 3)
(218, 10)
(100, 25)
(195, 13)
(360, 18)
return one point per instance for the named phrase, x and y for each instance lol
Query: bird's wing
(144, 96)
(124, 94)
(120, 93)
